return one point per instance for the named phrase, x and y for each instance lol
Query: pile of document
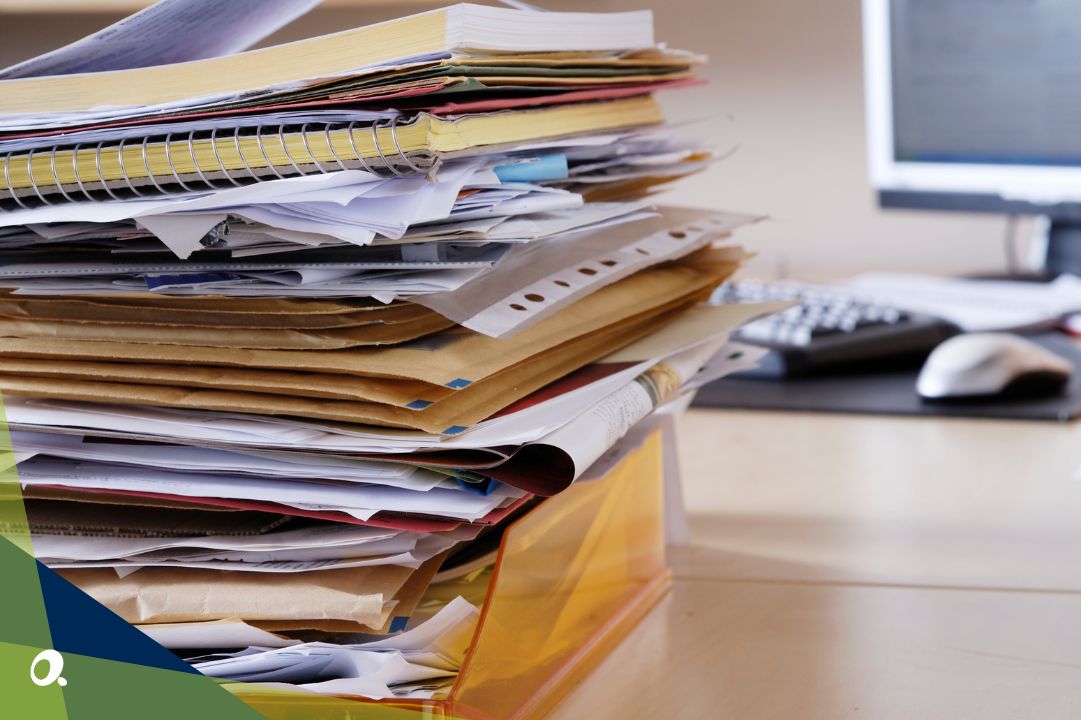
(284, 331)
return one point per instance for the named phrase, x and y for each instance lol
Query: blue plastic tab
(543, 167)
(482, 486)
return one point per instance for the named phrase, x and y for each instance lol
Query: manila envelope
(494, 392)
(75, 309)
(404, 603)
(454, 413)
(454, 358)
(154, 594)
(227, 337)
(388, 391)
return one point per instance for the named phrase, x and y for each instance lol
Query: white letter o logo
(56, 666)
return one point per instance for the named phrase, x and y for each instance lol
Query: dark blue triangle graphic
(80, 624)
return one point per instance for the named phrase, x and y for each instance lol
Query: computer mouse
(991, 365)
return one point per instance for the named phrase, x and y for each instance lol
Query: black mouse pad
(891, 393)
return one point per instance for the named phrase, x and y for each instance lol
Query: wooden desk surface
(864, 567)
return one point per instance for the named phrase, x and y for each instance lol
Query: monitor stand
(1061, 253)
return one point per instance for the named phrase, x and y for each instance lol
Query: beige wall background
(785, 83)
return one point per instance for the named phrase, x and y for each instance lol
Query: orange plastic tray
(572, 577)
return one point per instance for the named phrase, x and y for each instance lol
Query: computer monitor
(975, 105)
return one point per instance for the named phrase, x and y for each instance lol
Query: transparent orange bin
(572, 577)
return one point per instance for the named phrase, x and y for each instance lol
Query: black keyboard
(831, 330)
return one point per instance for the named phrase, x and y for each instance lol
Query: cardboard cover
(388, 391)
(155, 594)
(316, 314)
(227, 337)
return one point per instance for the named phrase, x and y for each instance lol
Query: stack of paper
(286, 329)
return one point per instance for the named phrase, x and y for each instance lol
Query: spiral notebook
(164, 164)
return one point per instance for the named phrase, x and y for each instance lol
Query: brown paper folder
(227, 337)
(152, 595)
(405, 602)
(388, 391)
(454, 358)
(119, 382)
(454, 413)
(451, 414)
(268, 314)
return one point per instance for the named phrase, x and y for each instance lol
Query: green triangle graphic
(108, 689)
(24, 626)
(23, 698)
(93, 688)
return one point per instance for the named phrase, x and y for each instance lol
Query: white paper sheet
(212, 635)
(974, 305)
(169, 31)
(261, 464)
(76, 547)
(284, 561)
(433, 649)
(460, 504)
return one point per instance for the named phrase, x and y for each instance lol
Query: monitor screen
(975, 98)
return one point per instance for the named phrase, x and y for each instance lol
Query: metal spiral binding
(169, 160)
(236, 144)
(330, 147)
(101, 175)
(30, 174)
(124, 170)
(375, 141)
(217, 157)
(52, 167)
(78, 175)
(356, 152)
(195, 161)
(285, 149)
(308, 148)
(7, 180)
(396, 163)
(405, 158)
(262, 149)
(149, 172)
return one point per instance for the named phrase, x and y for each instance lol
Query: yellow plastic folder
(571, 579)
